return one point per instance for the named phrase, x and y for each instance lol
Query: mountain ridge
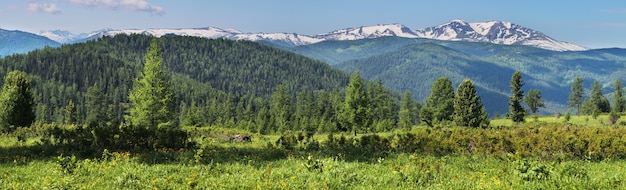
(497, 32)
(15, 41)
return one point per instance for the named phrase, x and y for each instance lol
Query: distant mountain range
(14, 41)
(413, 64)
(497, 32)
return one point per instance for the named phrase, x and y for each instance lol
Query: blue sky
(594, 24)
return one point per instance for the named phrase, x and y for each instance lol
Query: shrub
(67, 163)
(532, 170)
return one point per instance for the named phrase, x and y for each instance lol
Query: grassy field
(264, 164)
(584, 120)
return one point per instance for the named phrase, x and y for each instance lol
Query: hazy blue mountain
(14, 41)
(414, 64)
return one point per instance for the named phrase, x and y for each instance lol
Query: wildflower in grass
(495, 180)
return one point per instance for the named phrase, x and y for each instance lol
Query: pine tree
(280, 109)
(576, 96)
(468, 107)
(440, 103)
(354, 112)
(406, 114)
(95, 105)
(597, 102)
(534, 101)
(517, 112)
(70, 113)
(151, 97)
(16, 102)
(618, 97)
(383, 109)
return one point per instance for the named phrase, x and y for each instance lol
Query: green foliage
(440, 103)
(280, 110)
(534, 101)
(552, 155)
(516, 111)
(596, 103)
(383, 109)
(567, 116)
(354, 112)
(16, 102)
(531, 170)
(70, 113)
(96, 108)
(408, 112)
(151, 98)
(152, 112)
(68, 164)
(468, 107)
(576, 95)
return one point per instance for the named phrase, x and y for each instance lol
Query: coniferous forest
(215, 82)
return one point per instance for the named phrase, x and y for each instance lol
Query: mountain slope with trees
(224, 80)
(413, 64)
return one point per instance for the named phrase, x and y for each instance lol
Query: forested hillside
(221, 80)
(413, 64)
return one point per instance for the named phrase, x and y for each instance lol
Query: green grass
(583, 120)
(262, 165)
(402, 171)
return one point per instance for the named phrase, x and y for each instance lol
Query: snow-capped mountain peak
(61, 36)
(374, 31)
(497, 32)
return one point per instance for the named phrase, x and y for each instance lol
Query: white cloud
(130, 5)
(50, 8)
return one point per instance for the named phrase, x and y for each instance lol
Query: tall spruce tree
(407, 113)
(16, 102)
(354, 112)
(280, 109)
(576, 95)
(440, 103)
(151, 97)
(96, 107)
(618, 97)
(596, 103)
(383, 109)
(468, 107)
(516, 111)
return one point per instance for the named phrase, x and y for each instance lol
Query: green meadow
(542, 153)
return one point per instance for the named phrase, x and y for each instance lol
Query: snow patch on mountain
(369, 32)
(496, 32)
(62, 36)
